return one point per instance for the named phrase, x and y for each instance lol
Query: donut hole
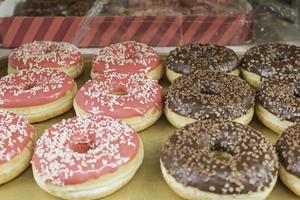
(119, 91)
(184, 68)
(220, 155)
(82, 147)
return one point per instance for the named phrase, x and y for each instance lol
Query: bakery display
(132, 98)
(86, 157)
(62, 56)
(207, 104)
(264, 61)
(187, 58)
(128, 57)
(278, 103)
(37, 94)
(16, 145)
(219, 160)
(205, 94)
(287, 147)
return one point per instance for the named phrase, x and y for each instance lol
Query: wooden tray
(148, 182)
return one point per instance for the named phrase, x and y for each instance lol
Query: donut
(47, 54)
(187, 58)
(128, 57)
(287, 147)
(37, 94)
(205, 94)
(132, 98)
(86, 157)
(278, 105)
(16, 145)
(263, 61)
(219, 161)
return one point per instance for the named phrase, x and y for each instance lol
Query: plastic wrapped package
(276, 21)
(156, 22)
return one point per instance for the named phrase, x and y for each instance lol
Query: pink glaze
(141, 94)
(110, 144)
(44, 54)
(15, 134)
(33, 87)
(126, 57)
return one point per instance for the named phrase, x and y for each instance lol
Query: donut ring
(62, 56)
(278, 105)
(264, 61)
(128, 57)
(187, 58)
(132, 98)
(86, 157)
(205, 94)
(37, 94)
(287, 148)
(16, 145)
(219, 161)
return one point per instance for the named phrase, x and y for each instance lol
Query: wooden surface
(148, 184)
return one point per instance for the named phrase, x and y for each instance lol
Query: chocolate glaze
(269, 59)
(205, 94)
(280, 96)
(287, 148)
(190, 57)
(252, 166)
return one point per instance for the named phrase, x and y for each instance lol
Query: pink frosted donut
(130, 97)
(38, 93)
(86, 157)
(128, 57)
(16, 145)
(62, 56)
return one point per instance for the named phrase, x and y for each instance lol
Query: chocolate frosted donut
(187, 58)
(287, 148)
(278, 102)
(205, 94)
(264, 61)
(218, 160)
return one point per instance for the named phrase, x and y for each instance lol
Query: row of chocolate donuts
(202, 94)
(199, 100)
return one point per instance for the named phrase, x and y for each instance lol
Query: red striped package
(153, 30)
